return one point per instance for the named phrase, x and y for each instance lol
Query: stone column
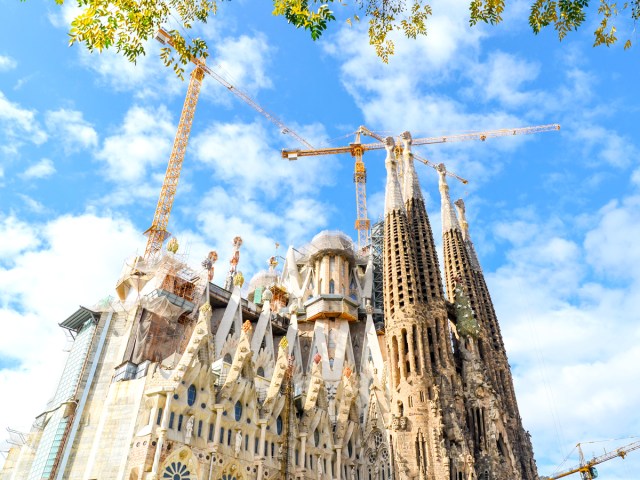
(216, 430)
(263, 430)
(303, 448)
(162, 435)
(412, 356)
(338, 475)
(422, 359)
(154, 413)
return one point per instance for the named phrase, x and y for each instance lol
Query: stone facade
(181, 379)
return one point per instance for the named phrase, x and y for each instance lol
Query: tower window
(238, 411)
(279, 425)
(191, 395)
(332, 286)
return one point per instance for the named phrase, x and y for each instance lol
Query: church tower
(502, 448)
(414, 340)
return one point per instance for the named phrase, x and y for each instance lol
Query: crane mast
(157, 232)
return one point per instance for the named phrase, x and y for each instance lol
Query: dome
(264, 278)
(331, 241)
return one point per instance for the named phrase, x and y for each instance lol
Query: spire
(430, 282)
(411, 187)
(449, 220)
(393, 196)
(473, 258)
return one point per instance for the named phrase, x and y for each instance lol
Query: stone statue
(238, 442)
(189, 429)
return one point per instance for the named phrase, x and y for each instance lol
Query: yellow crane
(357, 150)
(158, 232)
(587, 469)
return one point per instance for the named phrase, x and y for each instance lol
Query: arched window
(279, 425)
(260, 372)
(191, 395)
(177, 471)
(332, 286)
(238, 411)
(316, 437)
(227, 358)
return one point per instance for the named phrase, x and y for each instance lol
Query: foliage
(127, 24)
(466, 322)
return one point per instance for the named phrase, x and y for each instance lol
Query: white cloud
(73, 131)
(32, 204)
(141, 143)
(18, 125)
(258, 165)
(17, 236)
(570, 334)
(600, 144)
(44, 168)
(65, 14)
(612, 245)
(501, 77)
(293, 221)
(43, 284)
(7, 63)
(241, 61)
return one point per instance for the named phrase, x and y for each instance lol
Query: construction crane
(357, 150)
(587, 468)
(157, 232)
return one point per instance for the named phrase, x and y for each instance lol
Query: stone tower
(501, 447)
(454, 413)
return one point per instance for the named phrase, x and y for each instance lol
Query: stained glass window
(177, 471)
(191, 395)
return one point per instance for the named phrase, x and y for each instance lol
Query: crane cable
(542, 369)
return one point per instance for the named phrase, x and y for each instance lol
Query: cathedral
(334, 364)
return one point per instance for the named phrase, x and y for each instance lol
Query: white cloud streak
(42, 169)
(7, 63)
(71, 129)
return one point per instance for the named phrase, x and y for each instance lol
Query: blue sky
(85, 138)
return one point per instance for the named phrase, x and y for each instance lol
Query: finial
(235, 259)
(462, 217)
(284, 343)
(393, 193)
(246, 327)
(347, 372)
(267, 295)
(449, 220)
(273, 263)
(238, 279)
(316, 358)
(172, 245)
(411, 183)
(473, 257)
(208, 262)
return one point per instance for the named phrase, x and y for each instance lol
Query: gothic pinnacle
(411, 187)
(393, 195)
(449, 220)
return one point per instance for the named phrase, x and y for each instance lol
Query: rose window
(177, 471)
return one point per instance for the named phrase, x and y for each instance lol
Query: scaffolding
(377, 242)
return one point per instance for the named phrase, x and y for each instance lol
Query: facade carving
(181, 379)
